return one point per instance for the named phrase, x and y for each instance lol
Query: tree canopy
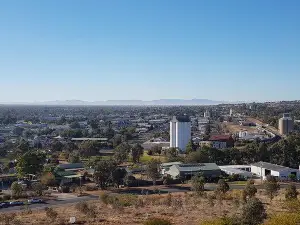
(31, 162)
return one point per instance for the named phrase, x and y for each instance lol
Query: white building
(180, 132)
(264, 169)
(241, 170)
(206, 114)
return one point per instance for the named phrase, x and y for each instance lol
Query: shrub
(119, 200)
(198, 183)
(139, 203)
(291, 192)
(284, 218)
(104, 198)
(271, 186)
(292, 205)
(51, 214)
(169, 200)
(38, 188)
(6, 197)
(222, 187)
(90, 188)
(86, 209)
(82, 207)
(250, 190)
(16, 189)
(221, 221)
(253, 212)
(157, 221)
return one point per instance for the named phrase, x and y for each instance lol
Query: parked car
(16, 203)
(4, 204)
(53, 189)
(35, 201)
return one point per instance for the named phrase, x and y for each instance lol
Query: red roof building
(222, 141)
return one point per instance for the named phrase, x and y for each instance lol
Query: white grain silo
(285, 124)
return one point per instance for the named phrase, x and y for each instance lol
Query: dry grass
(181, 209)
(234, 128)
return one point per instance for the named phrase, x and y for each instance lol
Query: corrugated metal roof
(197, 167)
(271, 166)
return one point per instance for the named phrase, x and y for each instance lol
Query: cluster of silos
(286, 124)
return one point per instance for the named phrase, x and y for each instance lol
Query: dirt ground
(181, 209)
(234, 128)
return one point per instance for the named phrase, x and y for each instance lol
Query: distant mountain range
(129, 102)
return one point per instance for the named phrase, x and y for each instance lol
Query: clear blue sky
(149, 49)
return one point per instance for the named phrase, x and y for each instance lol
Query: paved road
(50, 204)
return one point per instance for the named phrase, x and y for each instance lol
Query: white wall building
(264, 169)
(180, 132)
(206, 114)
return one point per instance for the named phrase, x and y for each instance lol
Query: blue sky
(103, 50)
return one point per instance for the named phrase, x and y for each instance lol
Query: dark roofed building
(181, 119)
(71, 166)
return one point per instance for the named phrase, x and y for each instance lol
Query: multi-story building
(286, 124)
(180, 132)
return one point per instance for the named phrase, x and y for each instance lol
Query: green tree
(190, 147)
(198, 183)
(93, 123)
(156, 149)
(122, 152)
(89, 148)
(48, 179)
(23, 146)
(31, 162)
(152, 170)
(118, 174)
(137, 151)
(172, 154)
(16, 189)
(291, 192)
(57, 146)
(271, 186)
(38, 188)
(199, 156)
(70, 146)
(253, 212)
(250, 189)
(75, 125)
(103, 172)
(292, 177)
(74, 158)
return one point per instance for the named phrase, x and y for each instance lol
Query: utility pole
(261, 175)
